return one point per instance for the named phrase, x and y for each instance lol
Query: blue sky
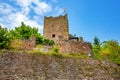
(87, 18)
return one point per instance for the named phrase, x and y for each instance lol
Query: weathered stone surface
(46, 48)
(24, 44)
(21, 66)
(67, 46)
(54, 27)
(57, 29)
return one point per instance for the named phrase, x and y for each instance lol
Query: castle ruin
(57, 29)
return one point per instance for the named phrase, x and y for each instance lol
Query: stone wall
(55, 27)
(67, 46)
(22, 66)
(24, 44)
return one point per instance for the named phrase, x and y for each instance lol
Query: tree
(96, 45)
(4, 38)
(25, 32)
(112, 47)
(96, 41)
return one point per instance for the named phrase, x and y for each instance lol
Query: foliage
(96, 41)
(96, 44)
(96, 47)
(47, 42)
(22, 32)
(57, 55)
(109, 50)
(78, 55)
(4, 38)
(25, 32)
(16, 44)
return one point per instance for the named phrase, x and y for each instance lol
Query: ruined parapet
(55, 27)
(68, 46)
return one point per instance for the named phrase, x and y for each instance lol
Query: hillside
(22, 66)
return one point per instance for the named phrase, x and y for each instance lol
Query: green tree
(96, 47)
(25, 32)
(112, 49)
(4, 38)
(96, 41)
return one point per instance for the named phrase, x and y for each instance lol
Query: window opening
(53, 35)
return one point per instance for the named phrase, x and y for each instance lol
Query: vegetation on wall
(106, 50)
(21, 32)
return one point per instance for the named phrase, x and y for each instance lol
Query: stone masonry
(56, 29)
(67, 46)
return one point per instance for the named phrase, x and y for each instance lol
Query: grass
(53, 52)
(76, 55)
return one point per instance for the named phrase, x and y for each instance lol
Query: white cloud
(5, 8)
(24, 6)
(12, 17)
(28, 11)
(34, 24)
(17, 18)
(41, 7)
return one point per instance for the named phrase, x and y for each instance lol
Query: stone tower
(56, 27)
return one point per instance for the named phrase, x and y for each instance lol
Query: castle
(57, 29)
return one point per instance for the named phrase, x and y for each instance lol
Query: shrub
(4, 38)
(47, 42)
(109, 50)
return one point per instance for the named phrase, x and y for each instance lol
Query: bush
(47, 42)
(4, 38)
(25, 32)
(109, 50)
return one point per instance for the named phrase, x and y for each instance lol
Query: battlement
(60, 16)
